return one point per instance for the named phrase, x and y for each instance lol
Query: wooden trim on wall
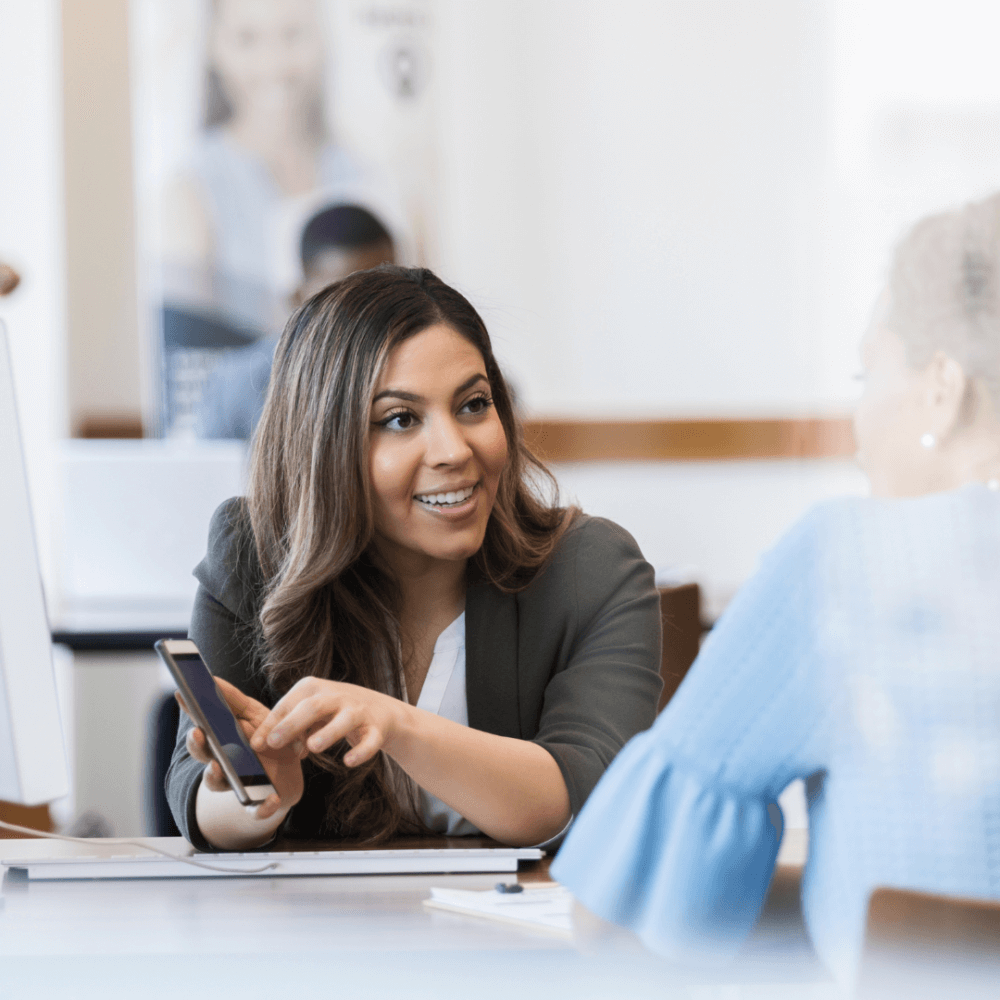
(109, 426)
(633, 440)
(689, 440)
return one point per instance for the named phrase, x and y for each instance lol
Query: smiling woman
(414, 640)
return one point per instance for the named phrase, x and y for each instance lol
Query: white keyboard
(42, 859)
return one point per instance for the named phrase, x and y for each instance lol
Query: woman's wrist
(400, 733)
(228, 825)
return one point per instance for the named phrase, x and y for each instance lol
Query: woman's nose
(447, 443)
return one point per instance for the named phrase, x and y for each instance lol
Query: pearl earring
(928, 440)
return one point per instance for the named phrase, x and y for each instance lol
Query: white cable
(123, 842)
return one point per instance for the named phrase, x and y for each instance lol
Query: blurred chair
(188, 329)
(918, 945)
(680, 612)
(163, 722)
(193, 343)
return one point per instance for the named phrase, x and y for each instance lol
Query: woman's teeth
(446, 499)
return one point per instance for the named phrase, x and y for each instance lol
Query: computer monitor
(33, 767)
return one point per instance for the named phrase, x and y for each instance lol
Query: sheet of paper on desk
(548, 908)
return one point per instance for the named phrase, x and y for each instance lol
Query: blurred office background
(674, 216)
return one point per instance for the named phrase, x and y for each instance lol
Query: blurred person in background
(266, 143)
(265, 152)
(863, 657)
(335, 242)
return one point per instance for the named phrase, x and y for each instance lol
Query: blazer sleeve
(221, 627)
(606, 687)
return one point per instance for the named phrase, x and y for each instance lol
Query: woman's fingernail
(275, 739)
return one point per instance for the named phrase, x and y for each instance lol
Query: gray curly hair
(944, 291)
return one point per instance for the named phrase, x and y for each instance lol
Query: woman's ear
(946, 387)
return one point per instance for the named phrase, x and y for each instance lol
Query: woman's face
(892, 417)
(437, 451)
(268, 53)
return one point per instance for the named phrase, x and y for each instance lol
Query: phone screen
(219, 717)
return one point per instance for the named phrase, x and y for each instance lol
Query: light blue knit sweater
(864, 656)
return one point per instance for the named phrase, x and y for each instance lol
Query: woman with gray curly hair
(862, 657)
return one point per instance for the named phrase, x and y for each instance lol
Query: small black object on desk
(512, 887)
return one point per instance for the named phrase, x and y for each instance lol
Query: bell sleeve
(679, 839)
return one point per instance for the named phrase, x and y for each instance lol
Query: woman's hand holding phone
(283, 765)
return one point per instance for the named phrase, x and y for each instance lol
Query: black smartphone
(213, 717)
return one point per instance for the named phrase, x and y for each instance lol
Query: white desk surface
(351, 936)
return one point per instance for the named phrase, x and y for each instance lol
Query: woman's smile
(455, 499)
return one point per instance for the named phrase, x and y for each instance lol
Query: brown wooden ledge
(34, 817)
(689, 440)
(109, 426)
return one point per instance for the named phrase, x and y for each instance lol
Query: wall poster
(279, 144)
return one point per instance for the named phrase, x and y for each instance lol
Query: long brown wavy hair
(327, 609)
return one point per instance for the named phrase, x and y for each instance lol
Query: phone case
(165, 648)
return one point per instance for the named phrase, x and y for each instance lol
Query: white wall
(32, 240)
(706, 521)
(634, 196)
(914, 127)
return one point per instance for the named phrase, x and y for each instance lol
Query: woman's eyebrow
(470, 382)
(412, 397)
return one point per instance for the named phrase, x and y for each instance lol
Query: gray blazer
(571, 662)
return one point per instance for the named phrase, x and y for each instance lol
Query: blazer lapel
(491, 644)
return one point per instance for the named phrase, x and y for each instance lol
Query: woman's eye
(478, 404)
(398, 421)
